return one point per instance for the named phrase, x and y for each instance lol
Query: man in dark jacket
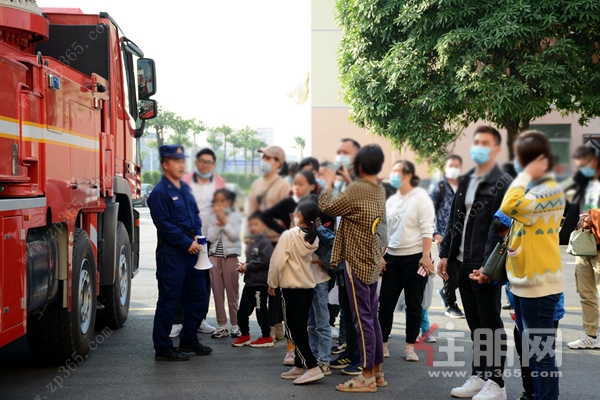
(468, 242)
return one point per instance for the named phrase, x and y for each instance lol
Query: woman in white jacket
(224, 234)
(410, 223)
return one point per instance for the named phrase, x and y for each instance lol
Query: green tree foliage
(243, 138)
(419, 71)
(162, 123)
(181, 131)
(225, 131)
(300, 145)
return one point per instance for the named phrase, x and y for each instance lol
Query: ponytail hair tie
(312, 222)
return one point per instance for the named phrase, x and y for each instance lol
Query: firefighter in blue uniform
(175, 214)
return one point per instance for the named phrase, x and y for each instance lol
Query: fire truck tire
(59, 335)
(116, 296)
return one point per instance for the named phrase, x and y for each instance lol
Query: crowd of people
(327, 242)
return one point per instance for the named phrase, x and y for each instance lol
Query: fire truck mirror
(146, 78)
(147, 109)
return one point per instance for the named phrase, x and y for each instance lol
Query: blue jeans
(538, 313)
(319, 330)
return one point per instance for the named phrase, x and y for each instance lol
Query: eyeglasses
(204, 162)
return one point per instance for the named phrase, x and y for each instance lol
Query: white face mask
(343, 159)
(296, 221)
(452, 172)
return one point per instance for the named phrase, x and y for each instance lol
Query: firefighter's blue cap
(171, 151)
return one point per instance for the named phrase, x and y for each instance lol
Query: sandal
(380, 375)
(351, 385)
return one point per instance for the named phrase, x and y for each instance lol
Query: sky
(222, 62)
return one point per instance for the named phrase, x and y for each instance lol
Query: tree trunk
(513, 128)
(159, 137)
(512, 131)
(224, 152)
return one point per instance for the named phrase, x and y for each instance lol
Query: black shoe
(525, 396)
(173, 354)
(507, 306)
(453, 311)
(443, 297)
(195, 347)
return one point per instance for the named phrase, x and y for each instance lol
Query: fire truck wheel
(58, 335)
(116, 296)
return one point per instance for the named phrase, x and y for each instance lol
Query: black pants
(296, 305)
(451, 284)
(482, 311)
(253, 296)
(179, 316)
(401, 274)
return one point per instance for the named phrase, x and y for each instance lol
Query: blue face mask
(265, 166)
(517, 165)
(480, 155)
(343, 159)
(321, 182)
(588, 171)
(395, 181)
(288, 179)
(203, 176)
(337, 185)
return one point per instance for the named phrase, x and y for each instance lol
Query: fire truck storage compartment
(12, 296)
(82, 47)
(42, 268)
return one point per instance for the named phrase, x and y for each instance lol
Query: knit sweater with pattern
(534, 266)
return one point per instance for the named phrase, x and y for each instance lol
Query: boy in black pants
(255, 293)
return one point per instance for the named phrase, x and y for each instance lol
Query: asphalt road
(122, 364)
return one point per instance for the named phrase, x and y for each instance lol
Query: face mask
(395, 181)
(297, 199)
(265, 166)
(588, 171)
(321, 182)
(203, 176)
(517, 166)
(452, 172)
(337, 185)
(288, 179)
(480, 155)
(296, 221)
(227, 211)
(343, 159)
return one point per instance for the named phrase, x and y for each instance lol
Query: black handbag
(495, 267)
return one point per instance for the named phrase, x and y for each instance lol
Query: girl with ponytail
(290, 270)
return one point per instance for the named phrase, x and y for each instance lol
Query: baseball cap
(274, 151)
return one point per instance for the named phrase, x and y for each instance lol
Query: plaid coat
(362, 207)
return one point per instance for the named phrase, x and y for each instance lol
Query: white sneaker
(409, 354)
(205, 327)
(175, 330)
(585, 342)
(235, 331)
(491, 391)
(335, 333)
(472, 386)
(312, 375)
(293, 373)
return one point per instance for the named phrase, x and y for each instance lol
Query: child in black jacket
(255, 293)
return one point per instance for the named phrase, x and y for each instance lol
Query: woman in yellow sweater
(536, 203)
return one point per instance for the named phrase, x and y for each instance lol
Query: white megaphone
(203, 261)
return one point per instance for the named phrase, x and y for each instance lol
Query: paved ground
(122, 365)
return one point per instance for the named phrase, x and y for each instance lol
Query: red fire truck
(71, 108)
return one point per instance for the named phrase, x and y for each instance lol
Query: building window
(560, 140)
